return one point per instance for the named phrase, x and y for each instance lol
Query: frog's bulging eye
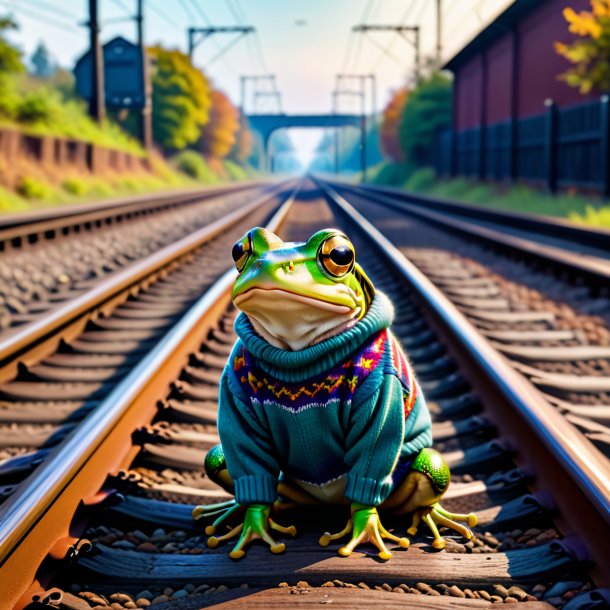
(240, 253)
(336, 256)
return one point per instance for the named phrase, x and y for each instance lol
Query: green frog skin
(318, 403)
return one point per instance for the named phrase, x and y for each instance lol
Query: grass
(573, 206)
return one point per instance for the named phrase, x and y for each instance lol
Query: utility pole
(361, 77)
(146, 111)
(402, 30)
(439, 32)
(97, 103)
(197, 35)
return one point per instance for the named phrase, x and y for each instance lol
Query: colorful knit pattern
(337, 384)
(404, 373)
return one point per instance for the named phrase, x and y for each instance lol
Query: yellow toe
(472, 520)
(385, 555)
(209, 530)
(344, 551)
(439, 544)
(324, 539)
(276, 549)
(212, 542)
(237, 554)
(404, 543)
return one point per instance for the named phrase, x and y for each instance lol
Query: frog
(319, 405)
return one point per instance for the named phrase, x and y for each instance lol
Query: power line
(123, 6)
(41, 4)
(155, 9)
(47, 20)
(187, 9)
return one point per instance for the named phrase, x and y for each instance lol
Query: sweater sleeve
(374, 439)
(247, 446)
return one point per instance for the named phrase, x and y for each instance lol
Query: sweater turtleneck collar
(315, 359)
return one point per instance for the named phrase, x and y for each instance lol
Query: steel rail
(22, 338)
(558, 227)
(41, 495)
(595, 269)
(536, 428)
(21, 226)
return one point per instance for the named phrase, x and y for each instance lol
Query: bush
(235, 171)
(37, 107)
(193, 164)
(30, 188)
(75, 186)
(390, 174)
(421, 180)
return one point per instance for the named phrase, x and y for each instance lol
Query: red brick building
(503, 126)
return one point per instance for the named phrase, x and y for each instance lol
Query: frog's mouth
(293, 321)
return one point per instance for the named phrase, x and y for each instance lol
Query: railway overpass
(266, 124)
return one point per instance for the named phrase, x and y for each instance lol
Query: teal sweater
(347, 406)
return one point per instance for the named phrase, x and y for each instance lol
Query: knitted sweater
(347, 406)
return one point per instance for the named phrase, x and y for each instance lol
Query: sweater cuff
(255, 490)
(367, 491)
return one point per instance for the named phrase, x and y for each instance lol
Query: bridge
(266, 124)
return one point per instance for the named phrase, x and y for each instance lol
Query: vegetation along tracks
(506, 446)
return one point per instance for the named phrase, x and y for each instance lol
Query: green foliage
(181, 99)
(390, 174)
(193, 164)
(39, 106)
(235, 171)
(426, 113)
(421, 180)
(10, 57)
(514, 198)
(599, 217)
(30, 188)
(75, 186)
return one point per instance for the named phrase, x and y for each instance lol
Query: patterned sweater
(347, 406)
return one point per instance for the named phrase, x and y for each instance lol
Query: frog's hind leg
(216, 469)
(420, 493)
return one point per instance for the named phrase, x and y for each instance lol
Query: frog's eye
(240, 253)
(336, 256)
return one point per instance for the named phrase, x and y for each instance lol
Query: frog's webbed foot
(220, 512)
(420, 493)
(365, 526)
(255, 526)
(436, 515)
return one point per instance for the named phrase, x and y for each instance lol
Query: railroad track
(49, 257)
(537, 486)
(551, 325)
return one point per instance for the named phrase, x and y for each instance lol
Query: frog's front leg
(365, 526)
(420, 493)
(256, 517)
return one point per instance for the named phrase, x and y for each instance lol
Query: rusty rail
(538, 431)
(37, 520)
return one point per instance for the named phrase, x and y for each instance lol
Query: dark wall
(538, 66)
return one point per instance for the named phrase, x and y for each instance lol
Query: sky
(304, 43)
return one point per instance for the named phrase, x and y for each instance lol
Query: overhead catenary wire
(46, 19)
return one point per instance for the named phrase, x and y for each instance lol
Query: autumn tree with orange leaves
(590, 51)
(219, 134)
(390, 122)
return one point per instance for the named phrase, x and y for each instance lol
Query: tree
(244, 143)
(390, 121)
(181, 99)
(43, 65)
(425, 115)
(219, 135)
(10, 57)
(590, 51)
